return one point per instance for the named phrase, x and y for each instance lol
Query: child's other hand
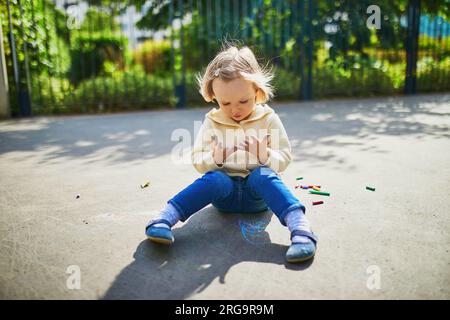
(256, 147)
(220, 153)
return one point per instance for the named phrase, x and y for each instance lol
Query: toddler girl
(240, 150)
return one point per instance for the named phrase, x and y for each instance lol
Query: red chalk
(317, 202)
(296, 187)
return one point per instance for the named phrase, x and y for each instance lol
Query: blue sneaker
(159, 234)
(298, 251)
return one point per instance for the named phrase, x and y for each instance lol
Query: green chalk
(320, 193)
(370, 188)
(299, 178)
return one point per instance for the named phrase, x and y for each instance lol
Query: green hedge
(153, 56)
(49, 94)
(96, 54)
(124, 90)
(329, 82)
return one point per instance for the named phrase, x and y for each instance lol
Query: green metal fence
(97, 56)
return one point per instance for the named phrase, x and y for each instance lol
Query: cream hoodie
(263, 120)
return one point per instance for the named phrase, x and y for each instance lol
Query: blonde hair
(231, 63)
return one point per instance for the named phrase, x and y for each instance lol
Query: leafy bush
(154, 56)
(97, 20)
(335, 81)
(95, 54)
(124, 90)
(40, 26)
(48, 94)
(433, 76)
(37, 26)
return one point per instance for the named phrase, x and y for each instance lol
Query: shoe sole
(160, 240)
(299, 259)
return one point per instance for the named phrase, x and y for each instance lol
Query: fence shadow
(205, 249)
(121, 138)
(130, 136)
(315, 125)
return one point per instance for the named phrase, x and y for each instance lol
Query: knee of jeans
(260, 172)
(219, 182)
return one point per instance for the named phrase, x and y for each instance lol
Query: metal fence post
(309, 51)
(301, 46)
(23, 97)
(305, 41)
(412, 44)
(181, 90)
(5, 111)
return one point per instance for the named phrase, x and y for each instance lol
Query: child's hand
(220, 153)
(256, 147)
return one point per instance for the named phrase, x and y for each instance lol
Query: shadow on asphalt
(146, 135)
(205, 248)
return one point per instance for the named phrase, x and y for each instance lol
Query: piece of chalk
(317, 202)
(145, 185)
(315, 188)
(370, 188)
(305, 187)
(312, 186)
(299, 178)
(319, 193)
(296, 187)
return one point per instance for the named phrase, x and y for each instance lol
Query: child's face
(235, 97)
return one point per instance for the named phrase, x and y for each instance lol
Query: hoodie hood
(260, 111)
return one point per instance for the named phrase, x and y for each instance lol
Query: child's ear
(259, 95)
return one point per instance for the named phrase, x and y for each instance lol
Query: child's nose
(236, 110)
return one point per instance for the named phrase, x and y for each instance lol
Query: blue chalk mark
(254, 232)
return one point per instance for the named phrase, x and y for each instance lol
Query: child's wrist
(264, 158)
(218, 162)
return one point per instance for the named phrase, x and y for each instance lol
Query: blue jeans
(260, 190)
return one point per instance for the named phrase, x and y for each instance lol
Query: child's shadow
(206, 247)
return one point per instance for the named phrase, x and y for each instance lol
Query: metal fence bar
(47, 50)
(36, 53)
(309, 51)
(181, 88)
(412, 46)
